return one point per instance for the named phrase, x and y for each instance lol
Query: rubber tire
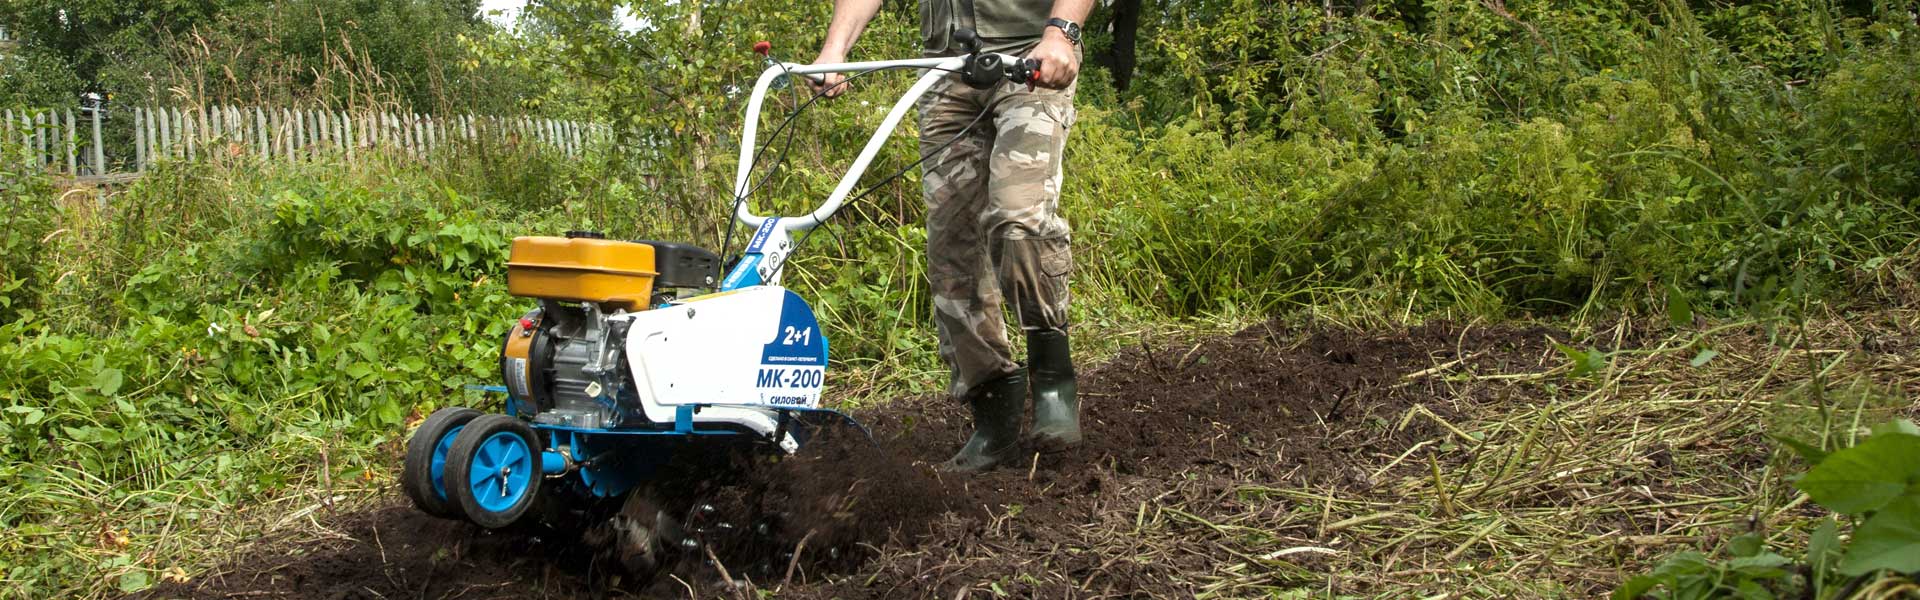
(460, 465)
(416, 474)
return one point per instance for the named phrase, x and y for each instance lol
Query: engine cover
(757, 347)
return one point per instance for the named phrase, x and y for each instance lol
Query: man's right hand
(829, 84)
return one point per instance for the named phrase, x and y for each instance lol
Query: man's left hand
(1059, 64)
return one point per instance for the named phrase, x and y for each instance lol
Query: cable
(883, 182)
(727, 244)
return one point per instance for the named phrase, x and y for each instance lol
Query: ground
(1284, 460)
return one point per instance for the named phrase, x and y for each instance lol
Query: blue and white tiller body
(639, 355)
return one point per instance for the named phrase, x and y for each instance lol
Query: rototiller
(639, 352)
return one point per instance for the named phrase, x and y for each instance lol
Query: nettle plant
(1875, 484)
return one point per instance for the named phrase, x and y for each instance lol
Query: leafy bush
(1876, 484)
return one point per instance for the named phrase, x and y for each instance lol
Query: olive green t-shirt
(1003, 25)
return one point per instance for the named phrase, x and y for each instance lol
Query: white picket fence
(70, 142)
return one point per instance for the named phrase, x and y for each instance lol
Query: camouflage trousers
(995, 238)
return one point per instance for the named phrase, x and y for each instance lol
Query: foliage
(28, 223)
(240, 329)
(1876, 484)
(330, 51)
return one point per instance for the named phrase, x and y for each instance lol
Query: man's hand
(829, 84)
(1059, 65)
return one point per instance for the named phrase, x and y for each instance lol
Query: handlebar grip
(1024, 71)
(968, 39)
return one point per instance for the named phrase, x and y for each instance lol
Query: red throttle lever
(1025, 71)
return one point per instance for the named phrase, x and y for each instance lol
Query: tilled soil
(1187, 425)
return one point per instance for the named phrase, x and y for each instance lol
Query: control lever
(985, 70)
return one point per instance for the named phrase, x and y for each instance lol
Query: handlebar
(976, 69)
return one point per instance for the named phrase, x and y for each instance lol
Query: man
(994, 233)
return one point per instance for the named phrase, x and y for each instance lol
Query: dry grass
(1542, 484)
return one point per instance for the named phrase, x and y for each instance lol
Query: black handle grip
(969, 40)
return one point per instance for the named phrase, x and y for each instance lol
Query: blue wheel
(423, 475)
(493, 470)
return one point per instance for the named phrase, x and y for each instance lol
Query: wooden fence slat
(152, 128)
(99, 152)
(33, 141)
(346, 134)
(157, 146)
(67, 139)
(139, 139)
(190, 131)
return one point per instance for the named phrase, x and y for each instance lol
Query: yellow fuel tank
(618, 274)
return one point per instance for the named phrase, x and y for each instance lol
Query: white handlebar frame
(938, 67)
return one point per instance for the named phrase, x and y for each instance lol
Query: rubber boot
(1056, 407)
(996, 425)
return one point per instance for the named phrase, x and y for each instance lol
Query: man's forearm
(850, 17)
(1072, 10)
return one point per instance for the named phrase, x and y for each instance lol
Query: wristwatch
(1070, 28)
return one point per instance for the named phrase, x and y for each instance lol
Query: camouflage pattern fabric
(995, 238)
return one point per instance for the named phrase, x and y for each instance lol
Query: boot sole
(1050, 444)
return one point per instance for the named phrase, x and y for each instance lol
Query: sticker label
(796, 340)
(760, 235)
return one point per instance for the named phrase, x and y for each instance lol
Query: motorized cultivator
(639, 353)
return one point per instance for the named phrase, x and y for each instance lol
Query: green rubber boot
(996, 425)
(1056, 407)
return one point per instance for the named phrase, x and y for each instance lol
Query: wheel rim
(438, 468)
(501, 472)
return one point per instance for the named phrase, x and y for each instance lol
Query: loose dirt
(1193, 430)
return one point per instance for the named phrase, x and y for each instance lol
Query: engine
(563, 362)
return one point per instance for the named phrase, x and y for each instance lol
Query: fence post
(190, 133)
(40, 134)
(68, 139)
(260, 134)
(163, 144)
(139, 140)
(147, 126)
(99, 152)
